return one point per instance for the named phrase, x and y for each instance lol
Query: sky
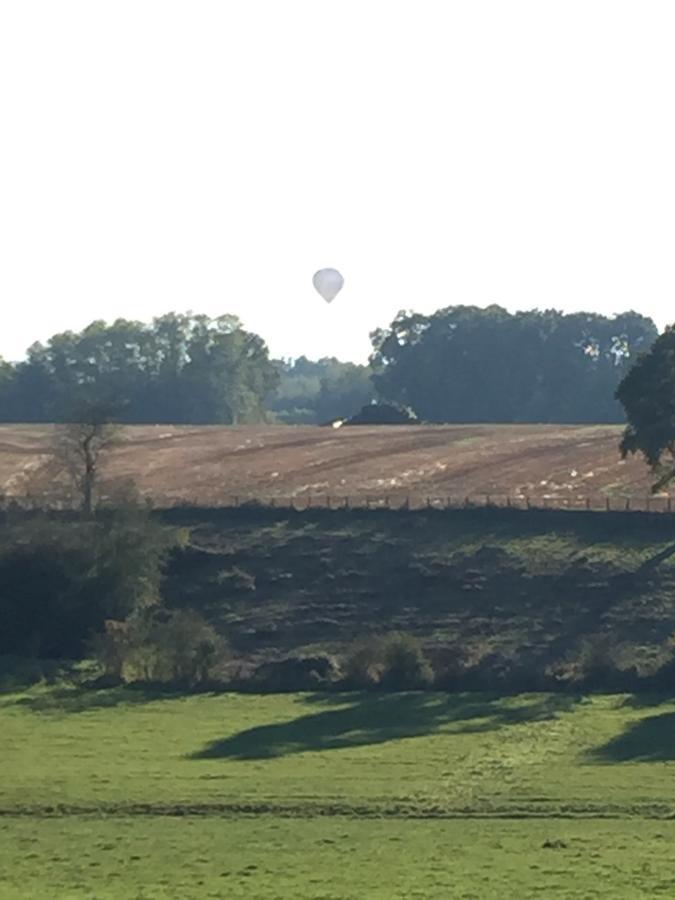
(158, 155)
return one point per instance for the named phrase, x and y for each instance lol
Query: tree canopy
(179, 369)
(465, 364)
(312, 392)
(459, 364)
(648, 397)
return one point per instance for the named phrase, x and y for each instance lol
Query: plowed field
(214, 465)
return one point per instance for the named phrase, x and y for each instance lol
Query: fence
(303, 502)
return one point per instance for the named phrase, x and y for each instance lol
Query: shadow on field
(84, 699)
(378, 718)
(651, 739)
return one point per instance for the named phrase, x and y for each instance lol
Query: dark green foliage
(384, 414)
(394, 661)
(296, 673)
(161, 646)
(648, 397)
(60, 580)
(180, 369)
(460, 364)
(310, 393)
(404, 665)
(465, 364)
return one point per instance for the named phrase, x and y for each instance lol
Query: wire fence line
(300, 502)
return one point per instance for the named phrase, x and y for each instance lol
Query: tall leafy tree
(648, 396)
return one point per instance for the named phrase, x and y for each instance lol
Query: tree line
(178, 369)
(464, 364)
(459, 364)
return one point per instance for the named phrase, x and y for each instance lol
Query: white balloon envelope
(328, 283)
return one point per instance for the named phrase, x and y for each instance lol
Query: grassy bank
(122, 793)
(469, 583)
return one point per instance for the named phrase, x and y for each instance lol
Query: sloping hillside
(211, 465)
(531, 586)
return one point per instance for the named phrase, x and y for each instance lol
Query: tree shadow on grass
(86, 699)
(377, 718)
(651, 739)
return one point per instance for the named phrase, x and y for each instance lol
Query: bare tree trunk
(89, 476)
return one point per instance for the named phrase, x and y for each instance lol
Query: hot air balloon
(328, 283)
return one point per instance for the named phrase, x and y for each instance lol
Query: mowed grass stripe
(66, 751)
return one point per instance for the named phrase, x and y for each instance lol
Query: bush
(161, 646)
(597, 664)
(60, 579)
(297, 673)
(384, 414)
(362, 664)
(394, 662)
(404, 665)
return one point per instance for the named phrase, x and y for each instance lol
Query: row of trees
(464, 364)
(179, 369)
(312, 392)
(460, 364)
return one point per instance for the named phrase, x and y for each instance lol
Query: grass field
(121, 794)
(207, 466)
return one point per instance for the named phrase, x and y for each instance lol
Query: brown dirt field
(209, 466)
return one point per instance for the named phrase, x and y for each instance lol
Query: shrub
(297, 673)
(171, 647)
(384, 414)
(595, 664)
(404, 665)
(61, 579)
(362, 664)
(394, 662)
(663, 669)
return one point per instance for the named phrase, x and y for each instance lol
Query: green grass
(122, 794)
(330, 858)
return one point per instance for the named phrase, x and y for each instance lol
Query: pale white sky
(159, 155)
